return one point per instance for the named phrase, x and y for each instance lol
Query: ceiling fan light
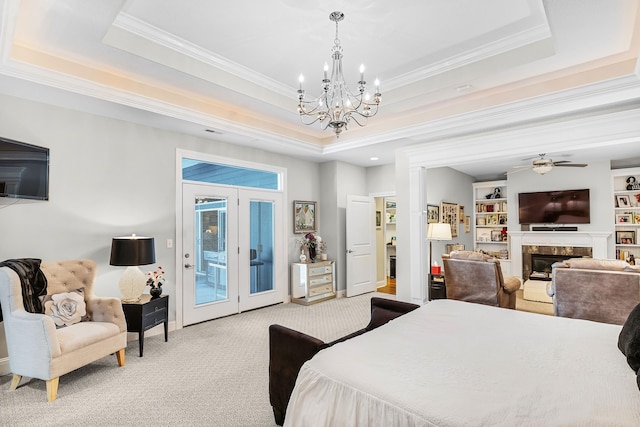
(542, 169)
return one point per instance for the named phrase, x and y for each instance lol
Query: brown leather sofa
(476, 277)
(602, 290)
(290, 349)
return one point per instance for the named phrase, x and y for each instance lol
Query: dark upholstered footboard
(290, 349)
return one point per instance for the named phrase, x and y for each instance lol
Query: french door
(232, 251)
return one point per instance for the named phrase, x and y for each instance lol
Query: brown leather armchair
(601, 290)
(476, 277)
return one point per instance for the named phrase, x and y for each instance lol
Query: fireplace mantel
(597, 240)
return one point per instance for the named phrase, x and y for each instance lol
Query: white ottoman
(536, 290)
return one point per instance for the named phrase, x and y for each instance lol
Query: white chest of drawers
(313, 282)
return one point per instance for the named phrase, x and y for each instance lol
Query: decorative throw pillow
(66, 308)
(629, 339)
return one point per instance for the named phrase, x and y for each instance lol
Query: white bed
(453, 363)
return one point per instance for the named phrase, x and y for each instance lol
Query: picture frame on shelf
(305, 218)
(481, 221)
(449, 215)
(496, 236)
(492, 219)
(433, 214)
(624, 218)
(627, 237)
(623, 201)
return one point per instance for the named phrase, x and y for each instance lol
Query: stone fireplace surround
(550, 254)
(570, 243)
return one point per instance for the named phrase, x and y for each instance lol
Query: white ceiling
(232, 67)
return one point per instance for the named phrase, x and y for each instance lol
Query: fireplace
(541, 265)
(537, 260)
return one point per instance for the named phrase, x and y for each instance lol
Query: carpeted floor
(211, 374)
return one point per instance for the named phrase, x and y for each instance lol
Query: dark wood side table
(145, 314)
(437, 288)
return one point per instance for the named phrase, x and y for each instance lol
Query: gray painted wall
(108, 178)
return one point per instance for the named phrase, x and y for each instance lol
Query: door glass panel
(261, 246)
(211, 250)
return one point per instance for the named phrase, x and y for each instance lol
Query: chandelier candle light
(337, 105)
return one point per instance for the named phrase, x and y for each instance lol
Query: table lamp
(437, 231)
(132, 251)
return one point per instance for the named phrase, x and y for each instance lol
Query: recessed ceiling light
(374, 158)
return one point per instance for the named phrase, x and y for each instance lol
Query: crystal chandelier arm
(337, 105)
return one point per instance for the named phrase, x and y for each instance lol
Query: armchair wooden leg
(120, 357)
(52, 389)
(15, 381)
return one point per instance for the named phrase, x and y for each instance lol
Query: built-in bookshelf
(626, 194)
(490, 220)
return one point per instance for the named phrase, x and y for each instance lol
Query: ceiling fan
(544, 165)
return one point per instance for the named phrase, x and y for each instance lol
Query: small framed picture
(481, 221)
(625, 218)
(461, 213)
(433, 214)
(378, 219)
(496, 236)
(304, 217)
(625, 237)
(623, 201)
(467, 224)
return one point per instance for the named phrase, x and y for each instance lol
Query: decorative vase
(156, 291)
(312, 253)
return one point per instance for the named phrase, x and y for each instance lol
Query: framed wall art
(305, 216)
(433, 214)
(449, 215)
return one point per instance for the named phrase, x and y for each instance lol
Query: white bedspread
(452, 363)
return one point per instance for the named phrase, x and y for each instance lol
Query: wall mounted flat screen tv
(554, 207)
(24, 170)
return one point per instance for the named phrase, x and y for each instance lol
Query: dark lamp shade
(132, 250)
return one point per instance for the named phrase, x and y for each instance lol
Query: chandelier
(337, 106)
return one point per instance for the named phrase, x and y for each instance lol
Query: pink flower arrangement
(155, 278)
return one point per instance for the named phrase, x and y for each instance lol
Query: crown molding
(468, 58)
(582, 100)
(154, 34)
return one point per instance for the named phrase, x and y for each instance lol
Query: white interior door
(361, 245)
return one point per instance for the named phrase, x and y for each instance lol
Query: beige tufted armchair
(37, 349)
(475, 277)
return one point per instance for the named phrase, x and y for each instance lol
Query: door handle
(349, 251)
(188, 266)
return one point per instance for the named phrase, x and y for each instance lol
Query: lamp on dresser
(131, 252)
(437, 231)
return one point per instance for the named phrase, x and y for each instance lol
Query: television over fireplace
(554, 207)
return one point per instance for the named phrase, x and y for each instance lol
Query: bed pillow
(629, 339)
(65, 308)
